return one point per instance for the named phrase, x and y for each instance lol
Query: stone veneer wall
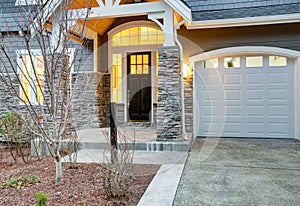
(169, 94)
(91, 100)
(188, 103)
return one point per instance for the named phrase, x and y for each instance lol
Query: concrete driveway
(241, 172)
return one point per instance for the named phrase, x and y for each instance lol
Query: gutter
(184, 134)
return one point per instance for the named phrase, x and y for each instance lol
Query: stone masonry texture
(169, 94)
(91, 100)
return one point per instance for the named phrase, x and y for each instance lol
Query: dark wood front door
(139, 86)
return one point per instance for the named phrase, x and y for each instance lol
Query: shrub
(21, 182)
(41, 198)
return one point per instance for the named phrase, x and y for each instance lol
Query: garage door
(244, 96)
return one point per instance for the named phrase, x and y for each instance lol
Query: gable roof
(203, 10)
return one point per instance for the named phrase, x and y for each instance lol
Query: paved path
(241, 172)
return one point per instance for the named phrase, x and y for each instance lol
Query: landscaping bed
(80, 186)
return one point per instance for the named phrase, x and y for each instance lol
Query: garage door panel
(233, 94)
(278, 78)
(232, 128)
(211, 80)
(233, 110)
(254, 111)
(251, 102)
(278, 94)
(209, 95)
(278, 128)
(254, 79)
(232, 79)
(254, 128)
(254, 94)
(278, 111)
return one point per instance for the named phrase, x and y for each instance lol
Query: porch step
(141, 146)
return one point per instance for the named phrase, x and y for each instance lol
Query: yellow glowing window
(32, 79)
(138, 36)
(117, 78)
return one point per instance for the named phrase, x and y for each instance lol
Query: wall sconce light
(186, 70)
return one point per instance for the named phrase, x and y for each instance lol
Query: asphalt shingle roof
(224, 9)
(12, 16)
(201, 10)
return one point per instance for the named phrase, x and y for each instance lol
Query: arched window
(141, 35)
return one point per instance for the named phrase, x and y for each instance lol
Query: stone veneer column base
(91, 100)
(169, 95)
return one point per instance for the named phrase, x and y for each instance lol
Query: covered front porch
(136, 62)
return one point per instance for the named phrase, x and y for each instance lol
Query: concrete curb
(163, 188)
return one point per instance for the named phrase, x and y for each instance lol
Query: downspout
(184, 134)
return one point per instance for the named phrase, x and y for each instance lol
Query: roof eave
(248, 21)
(181, 8)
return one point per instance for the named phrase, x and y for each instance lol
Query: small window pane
(139, 59)
(232, 62)
(133, 69)
(145, 69)
(255, 61)
(133, 59)
(211, 63)
(277, 61)
(139, 69)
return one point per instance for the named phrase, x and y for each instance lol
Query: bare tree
(38, 80)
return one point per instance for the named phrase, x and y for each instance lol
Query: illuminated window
(32, 75)
(254, 61)
(32, 79)
(211, 63)
(232, 62)
(138, 36)
(277, 61)
(117, 78)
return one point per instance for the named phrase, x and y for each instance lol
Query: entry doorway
(139, 86)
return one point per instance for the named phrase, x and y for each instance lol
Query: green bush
(41, 198)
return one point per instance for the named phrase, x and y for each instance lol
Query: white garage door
(244, 96)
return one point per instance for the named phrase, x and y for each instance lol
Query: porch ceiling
(98, 25)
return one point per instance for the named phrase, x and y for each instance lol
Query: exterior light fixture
(185, 70)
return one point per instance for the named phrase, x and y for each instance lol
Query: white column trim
(297, 98)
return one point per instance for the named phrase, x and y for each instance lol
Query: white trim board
(248, 21)
(245, 50)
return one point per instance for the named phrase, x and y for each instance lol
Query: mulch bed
(81, 186)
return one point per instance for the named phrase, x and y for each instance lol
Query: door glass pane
(146, 58)
(211, 63)
(133, 59)
(146, 69)
(133, 69)
(139, 69)
(277, 61)
(255, 61)
(232, 62)
(139, 59)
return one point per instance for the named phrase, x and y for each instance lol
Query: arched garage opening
(246, 92)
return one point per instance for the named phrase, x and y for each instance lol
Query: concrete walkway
(162, 189)
(241, 172)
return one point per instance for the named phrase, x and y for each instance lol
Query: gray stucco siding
(84, 61)
(282, 35)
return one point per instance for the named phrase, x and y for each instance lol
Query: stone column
(169, 95)
(91, 99)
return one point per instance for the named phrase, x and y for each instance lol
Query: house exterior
(214, 68)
